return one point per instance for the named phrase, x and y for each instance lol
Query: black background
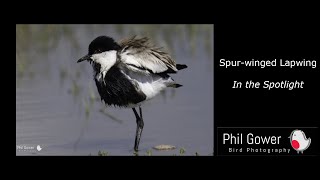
(257, 31)
(261, 107)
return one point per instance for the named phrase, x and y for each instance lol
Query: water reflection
(49, 82)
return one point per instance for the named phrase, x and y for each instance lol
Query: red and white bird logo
(298, 141)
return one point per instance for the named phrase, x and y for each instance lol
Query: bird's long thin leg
(140, 113)
(140, 125)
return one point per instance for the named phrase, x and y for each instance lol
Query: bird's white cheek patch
(105, 59)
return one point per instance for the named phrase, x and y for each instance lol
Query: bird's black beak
(86, 57)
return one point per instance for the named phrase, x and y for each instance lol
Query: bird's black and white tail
(181, 66)
(175, 85)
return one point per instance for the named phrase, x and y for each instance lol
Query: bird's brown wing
(138, 53)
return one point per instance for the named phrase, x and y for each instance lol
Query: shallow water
(58, 106)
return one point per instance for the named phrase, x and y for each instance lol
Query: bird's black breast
(115, 89)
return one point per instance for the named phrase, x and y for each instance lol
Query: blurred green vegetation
(35, 40)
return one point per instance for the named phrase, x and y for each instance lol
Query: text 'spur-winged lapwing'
(130, 72)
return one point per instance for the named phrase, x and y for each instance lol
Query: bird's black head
(99, 45)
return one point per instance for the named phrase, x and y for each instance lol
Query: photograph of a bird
(130, 72)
